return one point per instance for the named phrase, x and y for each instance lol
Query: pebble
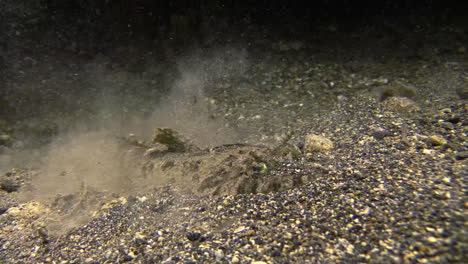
(380, 133)
(461, 155)
(193, 236)
(219, 254)
(437, 140)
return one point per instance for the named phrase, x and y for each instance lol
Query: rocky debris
(317, 143)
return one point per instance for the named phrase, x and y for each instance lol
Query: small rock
(219, 254)
(380, 133)
(3, 210)
(461, 155)
(316, 143)
(447, 125)
(247, 233)
(127, 257)
(43, 234)
(193, 236)
(428, 151)
(366, 211)
(436, 140)
(445, 111)
(341, 98)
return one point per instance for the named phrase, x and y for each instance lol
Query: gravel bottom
(392, 190)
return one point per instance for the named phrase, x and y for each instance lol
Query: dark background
(92, 22)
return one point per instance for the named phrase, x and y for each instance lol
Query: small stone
(428, 151)
(445, 111)
(43, 234)
(366, 211)
(219, 254)
(141, 199)
(193, 236)
(461, 155)
(380, 133)
(447, 125)
(247, 233)
(316, 143)
(341, 98)
(127, 258)
(3, 210)
(436, 140)
(240, 229)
